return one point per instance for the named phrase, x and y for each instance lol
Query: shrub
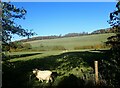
(27, 46)
(19, 46)
(58, 48)
(97, 46)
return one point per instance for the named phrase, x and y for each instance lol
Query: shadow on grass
(17, 74)
(21, 55)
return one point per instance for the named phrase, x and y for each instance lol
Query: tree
(111, 67)
(9, 27)
(8, 16)
(114, 22)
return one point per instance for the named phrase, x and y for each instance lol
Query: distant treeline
(53, 36)
(100, 31)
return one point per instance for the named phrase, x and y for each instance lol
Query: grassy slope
(71, 42)
(64, 64)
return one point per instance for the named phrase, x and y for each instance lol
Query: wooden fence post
(96, 71)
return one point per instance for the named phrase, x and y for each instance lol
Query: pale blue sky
(55, 18)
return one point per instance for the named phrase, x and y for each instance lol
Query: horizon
(60, 18)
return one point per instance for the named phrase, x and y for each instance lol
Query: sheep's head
(35, 71)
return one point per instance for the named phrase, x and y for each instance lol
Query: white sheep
(43, 75)
(65, 51)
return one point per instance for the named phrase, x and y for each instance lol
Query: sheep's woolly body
(43, 75)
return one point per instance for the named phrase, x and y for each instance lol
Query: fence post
(96, 71)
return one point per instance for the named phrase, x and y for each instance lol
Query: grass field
(75, 68)
(71, 42)
(66, 64)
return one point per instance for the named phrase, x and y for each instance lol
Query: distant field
(71, 42)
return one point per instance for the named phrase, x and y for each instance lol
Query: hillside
(99, 31)
(70, 43)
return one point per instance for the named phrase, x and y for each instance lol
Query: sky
(55, 18)
(60, 0)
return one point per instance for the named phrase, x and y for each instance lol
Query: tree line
(100, 31)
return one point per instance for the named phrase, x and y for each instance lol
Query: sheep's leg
(51, 79)
(40, 79)
(47, 79)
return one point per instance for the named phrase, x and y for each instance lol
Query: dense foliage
(9, 14)
(111, 66)
(115, 23)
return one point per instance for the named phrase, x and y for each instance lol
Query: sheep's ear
(34, 69)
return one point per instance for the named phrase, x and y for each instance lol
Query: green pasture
(71, 66)
(75, 68)
(24, 56)
(71, 42)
